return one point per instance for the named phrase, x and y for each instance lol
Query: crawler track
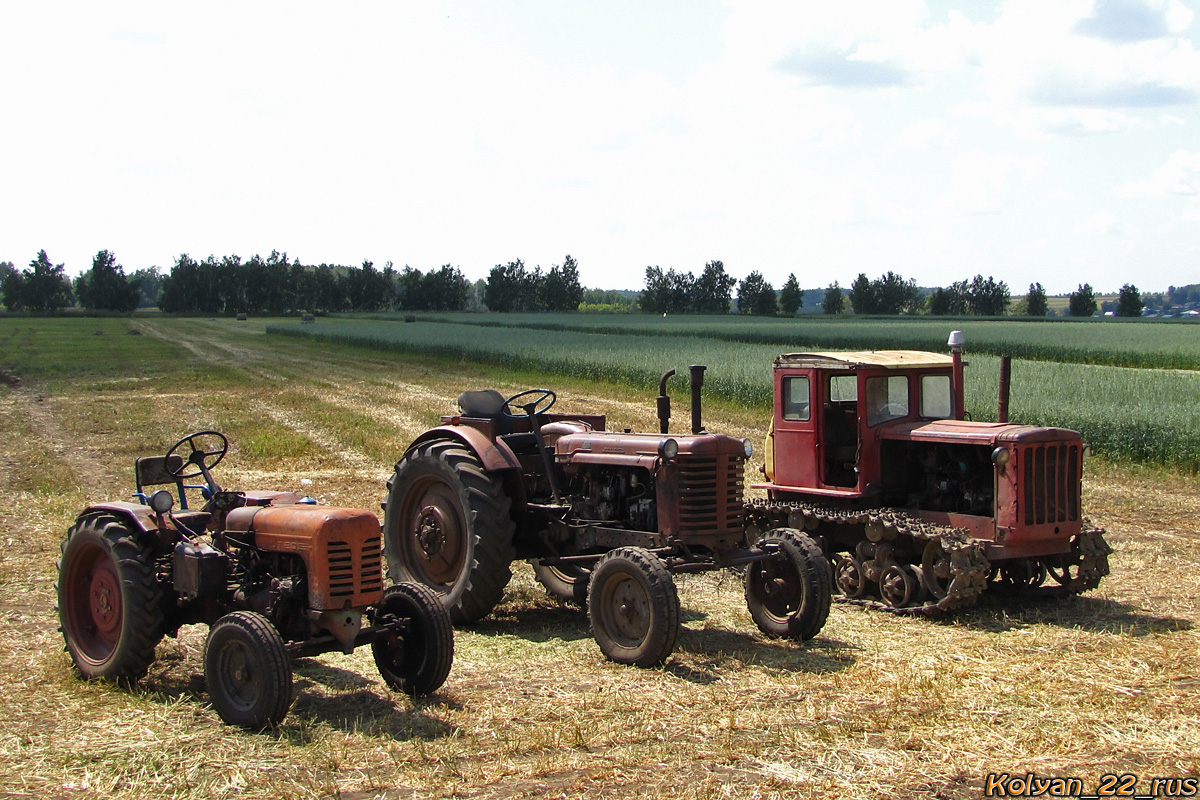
(891, 549)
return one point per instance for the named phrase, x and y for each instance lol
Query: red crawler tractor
(604, 516)
(276, 576)
(871, 452)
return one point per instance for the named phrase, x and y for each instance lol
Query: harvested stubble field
(876, 706)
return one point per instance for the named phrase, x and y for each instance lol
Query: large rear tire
(788, 595)
(418, 661)
(633, 606)
(446, 525)
(248, 671)
(110, 606)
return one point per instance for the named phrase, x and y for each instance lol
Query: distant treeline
(277, 285)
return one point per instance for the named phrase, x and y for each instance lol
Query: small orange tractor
(275, 575)
(871, 453)
(605, 517)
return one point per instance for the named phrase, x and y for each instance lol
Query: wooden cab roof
(878, 359)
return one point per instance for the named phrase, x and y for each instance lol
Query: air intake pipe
(664, 403)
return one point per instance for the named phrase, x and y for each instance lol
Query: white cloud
(926, 133)
(1102, 223)
(1180, 175)
(986, 183)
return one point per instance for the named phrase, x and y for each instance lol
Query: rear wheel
(566, 582)
(110, 606)
(633, 607)
(417, 660)
(446, 525)
(789, 593)
(248, 671)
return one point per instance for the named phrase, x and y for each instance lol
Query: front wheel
(633, 607)
(110, 606)
(565, 582)
(248, 671)
(417, 660)
(788, 594)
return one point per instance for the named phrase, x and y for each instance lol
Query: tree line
(277, 285)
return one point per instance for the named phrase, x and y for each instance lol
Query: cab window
(843, 388)
(887, 398)
(935, 397)
(796, 398)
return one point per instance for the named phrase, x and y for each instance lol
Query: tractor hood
(602, 446)
(953, 431)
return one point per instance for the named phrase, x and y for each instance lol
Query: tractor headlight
(1000, 456)
(668, 449)
(161, 501)
(748, 447)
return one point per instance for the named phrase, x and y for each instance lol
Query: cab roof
(878, 359)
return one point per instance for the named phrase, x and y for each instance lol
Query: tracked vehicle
(605, 517)
(922, 508)
(276, 576)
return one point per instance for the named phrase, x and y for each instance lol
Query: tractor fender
(495, 456)
(140, 517)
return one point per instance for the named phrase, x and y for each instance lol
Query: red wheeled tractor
(872, 453)
(275, 575)
(605, 517)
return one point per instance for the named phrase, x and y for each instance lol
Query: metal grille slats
(1051, 483)
(345, 576)
(711, 492)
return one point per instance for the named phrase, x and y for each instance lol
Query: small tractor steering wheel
(200, 454)
(538, 396)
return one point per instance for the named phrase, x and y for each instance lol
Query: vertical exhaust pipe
(956, 349)
(664, 403)
(697, 381)
(1005, 386)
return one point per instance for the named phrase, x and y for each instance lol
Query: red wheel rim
(435, 533)
(93, 606)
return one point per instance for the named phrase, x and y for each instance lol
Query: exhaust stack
(697, 381)
(664, 403)
(1005, 387)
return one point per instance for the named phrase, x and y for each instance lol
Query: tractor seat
(155, 470)
(486, 403)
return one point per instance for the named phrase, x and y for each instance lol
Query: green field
(1120, 343)
(1145, 415)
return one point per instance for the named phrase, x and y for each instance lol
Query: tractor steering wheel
(538, 396)
(199, 455)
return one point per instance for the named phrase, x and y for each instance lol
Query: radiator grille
(1051, 483)
(345, 577)
(710, 494)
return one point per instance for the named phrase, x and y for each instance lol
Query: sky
(1055, 141)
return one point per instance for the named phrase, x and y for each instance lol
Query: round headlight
(748, 446)
(161, 501)
(668, 448)
(1000, 456)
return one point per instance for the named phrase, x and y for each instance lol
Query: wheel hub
(430, 532)
(104, 595)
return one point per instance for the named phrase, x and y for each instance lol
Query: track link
(955, 571)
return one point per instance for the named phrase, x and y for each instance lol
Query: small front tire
(633, 607)
(417, 661)
(565, 582)
(789, 593)
(248, 671)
